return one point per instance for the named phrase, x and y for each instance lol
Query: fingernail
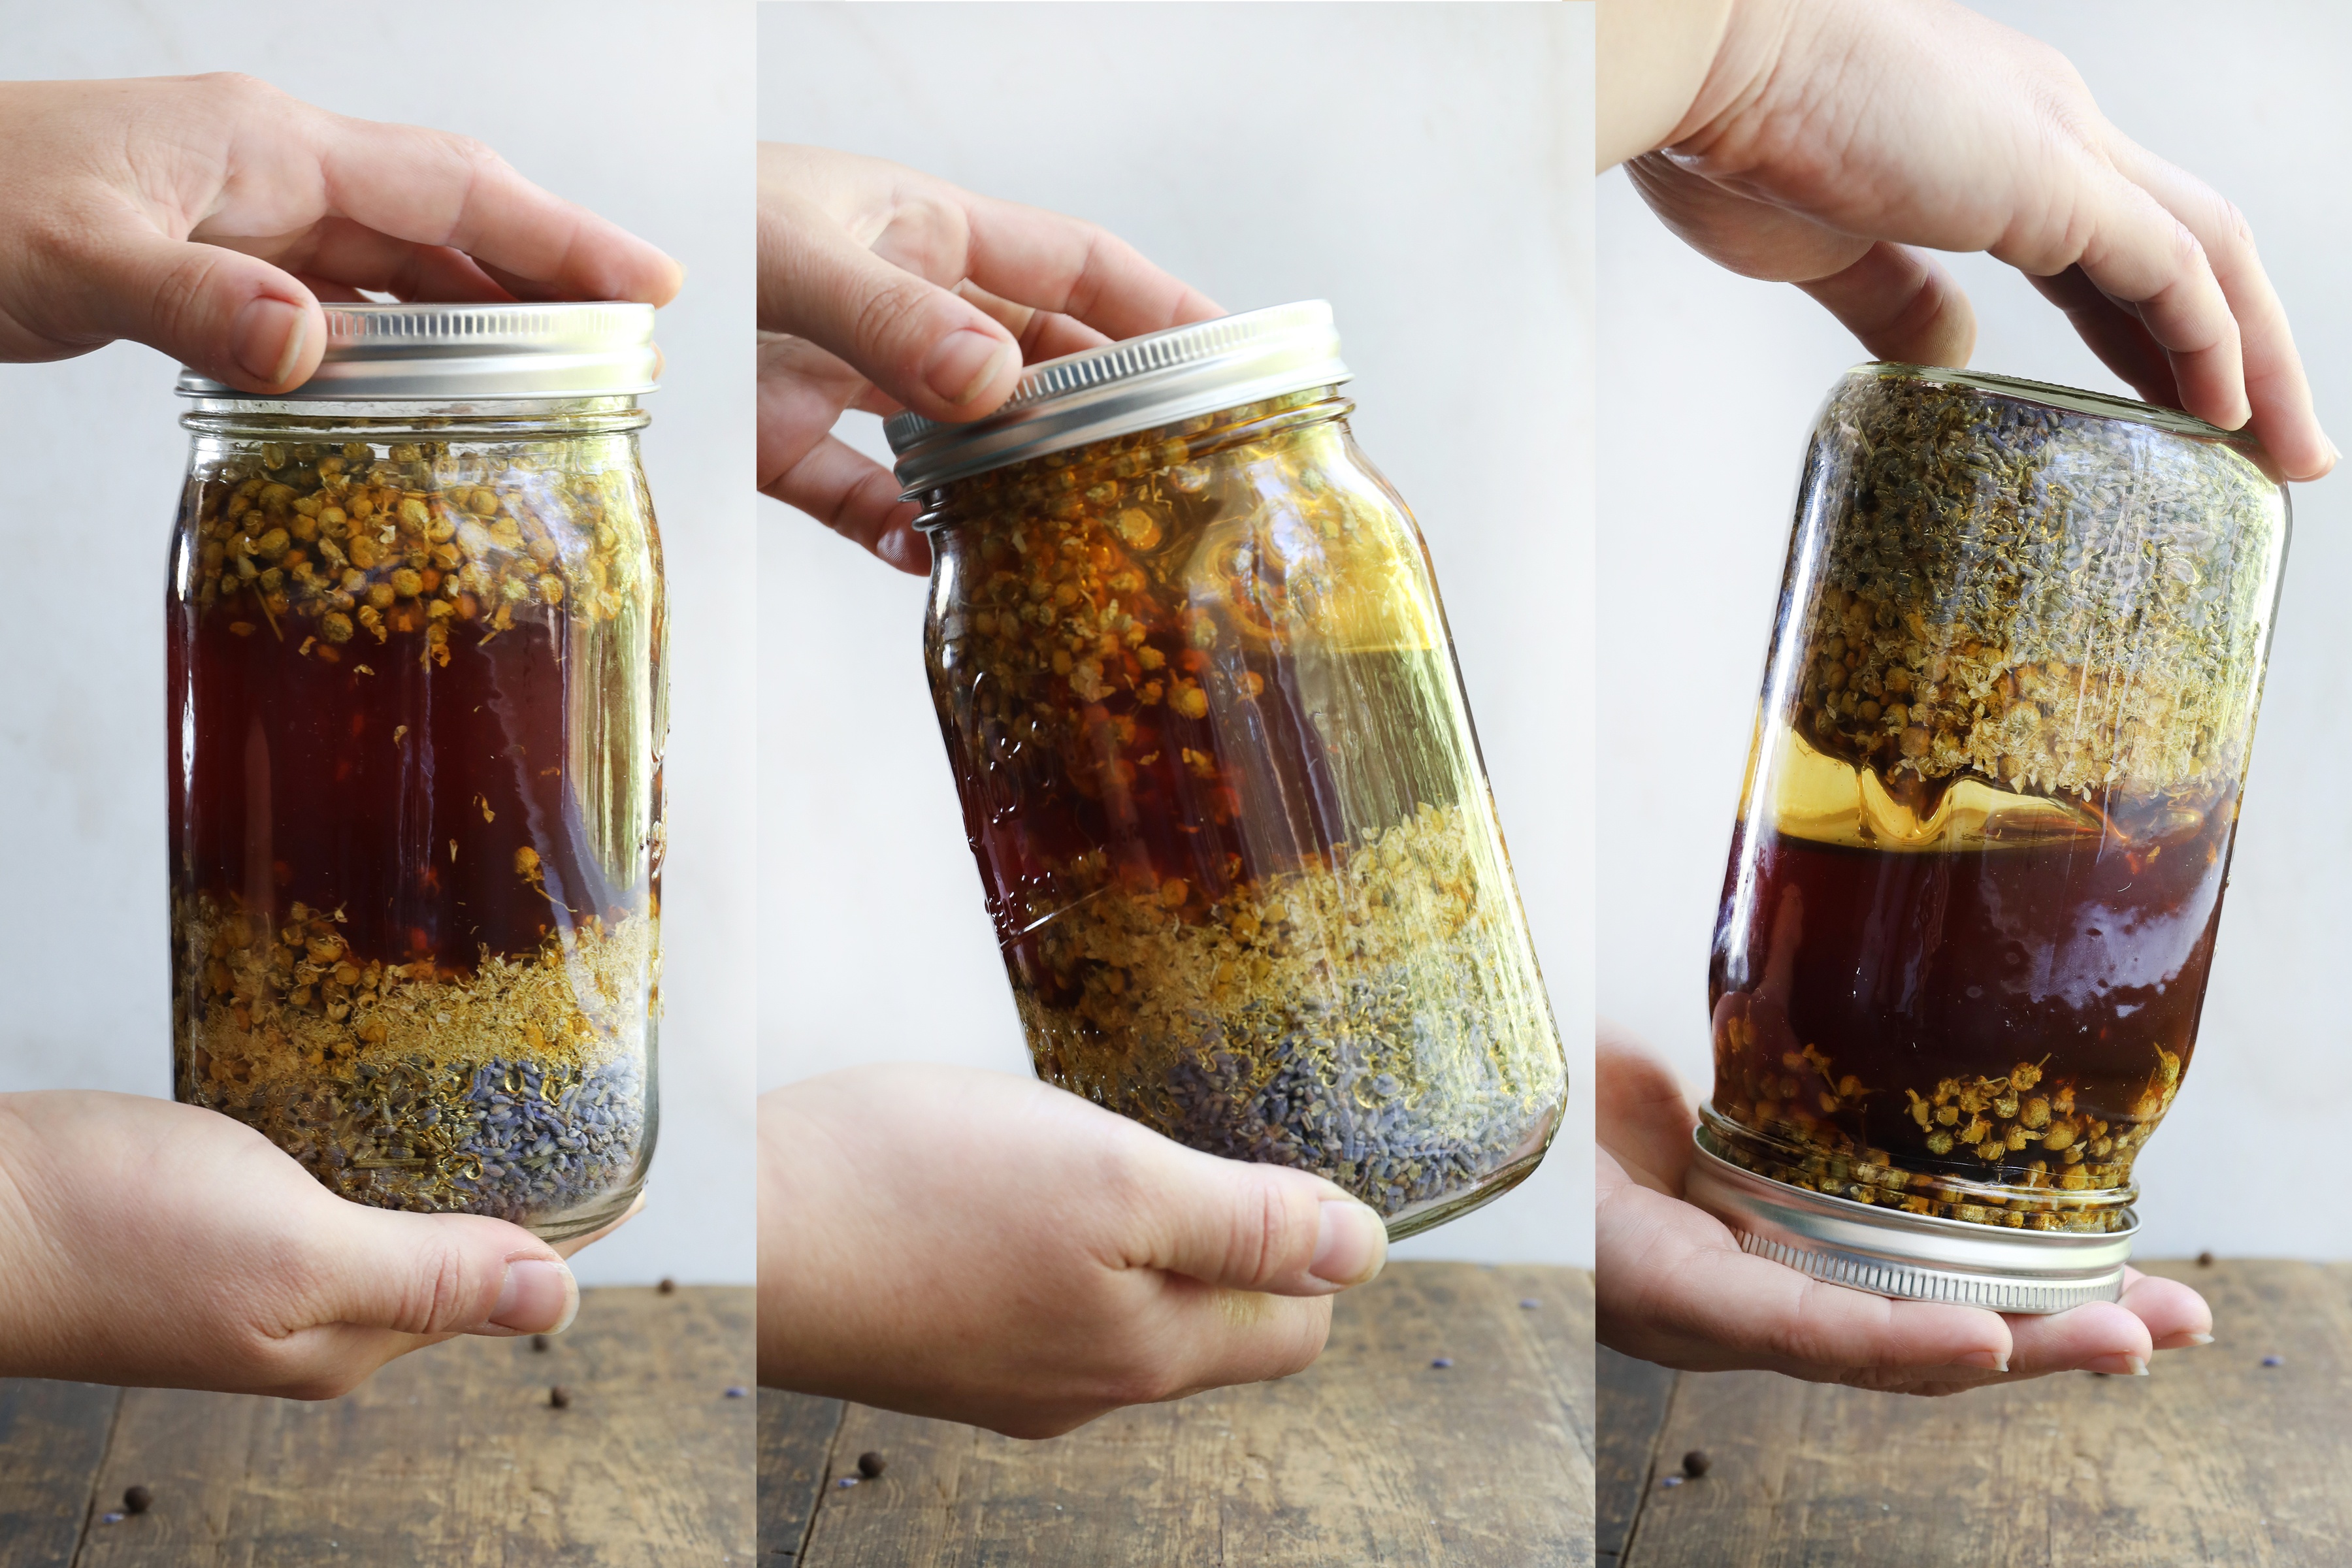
(2183, 1341)
(269, 334)
(539, 1297)
(963, 363)
(2118, 1365)
(1984, 1361)
(1350, 1243)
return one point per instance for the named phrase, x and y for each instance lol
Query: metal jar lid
(1123, 387)
(462, 353)
(1912, 1256)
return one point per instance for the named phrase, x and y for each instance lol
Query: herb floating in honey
(1972, 909)
(415, 680)
(1219, 776)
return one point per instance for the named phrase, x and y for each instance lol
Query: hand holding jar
(881, 288)
(1676, 1288)
(984, 1248)
(1822, 142)
(207, 216)
(163, 1246)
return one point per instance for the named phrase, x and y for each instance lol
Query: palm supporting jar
(1977, 874)
(416, 715)
(1219, 775)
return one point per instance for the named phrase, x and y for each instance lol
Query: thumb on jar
(233, 316)
(1256, 1227)
(445, 1274)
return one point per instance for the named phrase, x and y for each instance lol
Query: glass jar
(1979, 865)
(1219, 775)
(416, 714)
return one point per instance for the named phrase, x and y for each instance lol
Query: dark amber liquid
(1326, 748)
(1905, 969)
(344, 785)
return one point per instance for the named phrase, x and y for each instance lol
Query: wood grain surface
(450, 1456)
(2212, 1459)
(1371, 1457)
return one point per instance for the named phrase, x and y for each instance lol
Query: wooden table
(2214, 1458)
(1371, 1457)
(450, 1456)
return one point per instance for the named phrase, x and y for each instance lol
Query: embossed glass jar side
(1977, 876)
(416, 717)
(1221, 782)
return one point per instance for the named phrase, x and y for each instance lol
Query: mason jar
(415, 718)
(1218, 770)
(1978, 868)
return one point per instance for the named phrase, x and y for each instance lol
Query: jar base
(1909, 1257)
(1453, 1207)
(605, 1209)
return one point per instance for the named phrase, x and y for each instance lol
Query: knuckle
(928, 237)
(439, 1293)
(2231, 230)
(888, 316)
(184, 294)
(239, 89)
(1260, 1226)
(473, 153)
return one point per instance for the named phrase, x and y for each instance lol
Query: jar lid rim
(1121, 388)
(2074, 399)
(423, 351)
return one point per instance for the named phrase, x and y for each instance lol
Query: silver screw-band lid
(1124, 388)
(1922, 1257)
(460, 352)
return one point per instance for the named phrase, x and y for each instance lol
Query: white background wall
(1709, 383)
(1423, 167)
(642, 117)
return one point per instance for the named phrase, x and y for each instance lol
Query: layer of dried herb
(1375, 1019)
(2042, 1162)
(517, 1088)
(324, 545)
(2057, 602)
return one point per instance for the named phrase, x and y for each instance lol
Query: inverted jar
(1219, 775)
(1977, 876)
(417, 713)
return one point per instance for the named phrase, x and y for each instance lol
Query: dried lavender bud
(1443, 1361)
(138, 1500)
(1670, 1481)
(870, 1465)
